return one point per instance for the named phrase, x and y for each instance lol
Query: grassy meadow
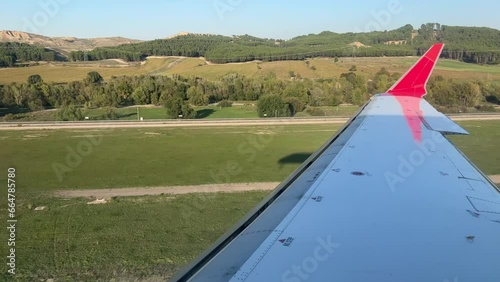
(481, 146)
(128, 239)
(156, 156)
(240, 111)
(116, 158)
(324, 68)
(155, 113)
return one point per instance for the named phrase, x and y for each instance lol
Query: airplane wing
(388, 198)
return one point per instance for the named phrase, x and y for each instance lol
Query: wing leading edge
(414, 82)
(377, 202)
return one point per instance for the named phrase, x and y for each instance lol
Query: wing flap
(436, 121)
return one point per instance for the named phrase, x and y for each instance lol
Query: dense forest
(469, 44)
(275, 97)
(11, 52)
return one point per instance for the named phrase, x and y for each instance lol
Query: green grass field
(237, 111)
(156, 156)
(155, 113)
(481, 147)
(184, 156)
(138, 237)
(325, 68)
(128, 239)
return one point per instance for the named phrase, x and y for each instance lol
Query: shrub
(225, 104)
(8, 117)
(109, 114)
(315, 112)
(485, 108)
(296, 105)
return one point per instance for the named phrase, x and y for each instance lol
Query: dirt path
(179, 190)
(173, 190)
(169, 66)
(495, 178)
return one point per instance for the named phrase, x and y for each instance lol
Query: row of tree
(178, 93)
(12, 52)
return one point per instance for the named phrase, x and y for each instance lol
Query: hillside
(63, 45)
(469, 44)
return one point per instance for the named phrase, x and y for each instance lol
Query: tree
(273, 106)
(35, 79)
(296, 105)
(196, 96)
(187, 111)
(70, 113)
(141, 96)
(93, 78)
(178, 108)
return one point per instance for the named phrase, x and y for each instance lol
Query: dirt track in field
(495, 178)
(179, 190)
(172, 190)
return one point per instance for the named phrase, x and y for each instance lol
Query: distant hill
(63, 45)
(479, 45)
(470, 44)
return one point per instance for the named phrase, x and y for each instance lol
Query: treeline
(470, 44)
(187, 46)
(11, 53)
(178, 94)
(223, 49)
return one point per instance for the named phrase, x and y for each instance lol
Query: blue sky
(264, 18)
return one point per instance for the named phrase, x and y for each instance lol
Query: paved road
(199, 123)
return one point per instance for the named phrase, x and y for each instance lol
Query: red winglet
(414, 81)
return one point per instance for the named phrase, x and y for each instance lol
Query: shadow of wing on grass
(204, 113)
(296, 158)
